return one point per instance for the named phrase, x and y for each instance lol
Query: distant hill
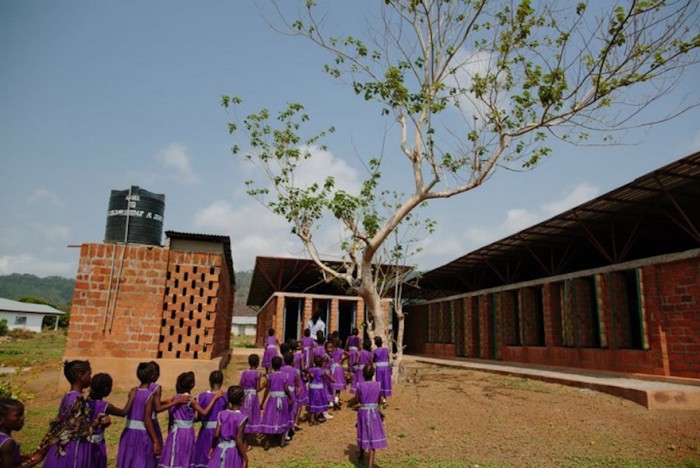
(55, 290)
(58, 291)
(243, 285)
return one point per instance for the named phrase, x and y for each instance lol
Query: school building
(287, 291)
(612, 284)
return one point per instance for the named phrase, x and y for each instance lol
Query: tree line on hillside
(57, 291)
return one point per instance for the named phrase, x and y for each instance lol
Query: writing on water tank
(136, 213)
(133, 211)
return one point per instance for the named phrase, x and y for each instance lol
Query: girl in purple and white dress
(318, 396)
(365, 357)
(228, 448)
(77, 451)
(12, 419)
(381, 362)
(206, 432)
(294, 385)
(275, 417)
(303, 398)
(352, 346)
(338, 355)
(140, 443)
(271, 343)
(178, 451)
(158, 404)
(251, 384)
(307, 346)
(370, 428)
(100, 410)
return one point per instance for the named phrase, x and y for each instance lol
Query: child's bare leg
(297, 417)
(370, 458)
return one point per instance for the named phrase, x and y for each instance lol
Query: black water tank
(137, 213)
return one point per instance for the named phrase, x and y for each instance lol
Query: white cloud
(518, 219)
(695, 143)
(468, 64)
(28, 263)
(256, 231)
(43, 194)
(323, 164)
(580, 194)
(175, 157)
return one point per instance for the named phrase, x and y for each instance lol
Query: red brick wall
(667, 320)
(155, 303)
(197, 307)
(672, 301)
(266, 319)
(511, 317)
(416, 330)
(121, 319)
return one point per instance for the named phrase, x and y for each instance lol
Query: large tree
(474, 85)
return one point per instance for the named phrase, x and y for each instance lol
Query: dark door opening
(347, 311)
(293, 307)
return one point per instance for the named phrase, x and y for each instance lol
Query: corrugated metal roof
(656, 214)
(279, 274)
(296, 275)
(8, 305)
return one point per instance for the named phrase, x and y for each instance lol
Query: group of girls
(76, 437)
(311, 374)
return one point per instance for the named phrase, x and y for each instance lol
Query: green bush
(7, 390)
(3, 327)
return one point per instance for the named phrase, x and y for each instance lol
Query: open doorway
(347, 311)
(324, 306)
(293, 307)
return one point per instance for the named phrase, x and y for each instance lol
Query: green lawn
(42, 349)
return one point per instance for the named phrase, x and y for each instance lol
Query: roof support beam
(691, 228)
(596, 243)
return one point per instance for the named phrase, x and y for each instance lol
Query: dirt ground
(451, 417)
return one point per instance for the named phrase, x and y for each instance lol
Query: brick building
(171, 304)
(286, 292)
(612, 284)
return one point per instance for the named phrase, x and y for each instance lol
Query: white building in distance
(26, 315)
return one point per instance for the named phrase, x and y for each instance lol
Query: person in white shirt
(316, 324)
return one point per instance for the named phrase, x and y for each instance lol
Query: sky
(99, 96)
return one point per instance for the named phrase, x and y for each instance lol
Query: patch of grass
(415, 461)
(40, 349)
(526, 384)
(32, 433)
(586, 461)
(240, 341)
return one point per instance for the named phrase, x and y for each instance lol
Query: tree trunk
(397, 358)
(373, 302)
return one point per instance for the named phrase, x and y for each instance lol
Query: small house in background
(26, 315)
(244, 320)
(288, 290)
